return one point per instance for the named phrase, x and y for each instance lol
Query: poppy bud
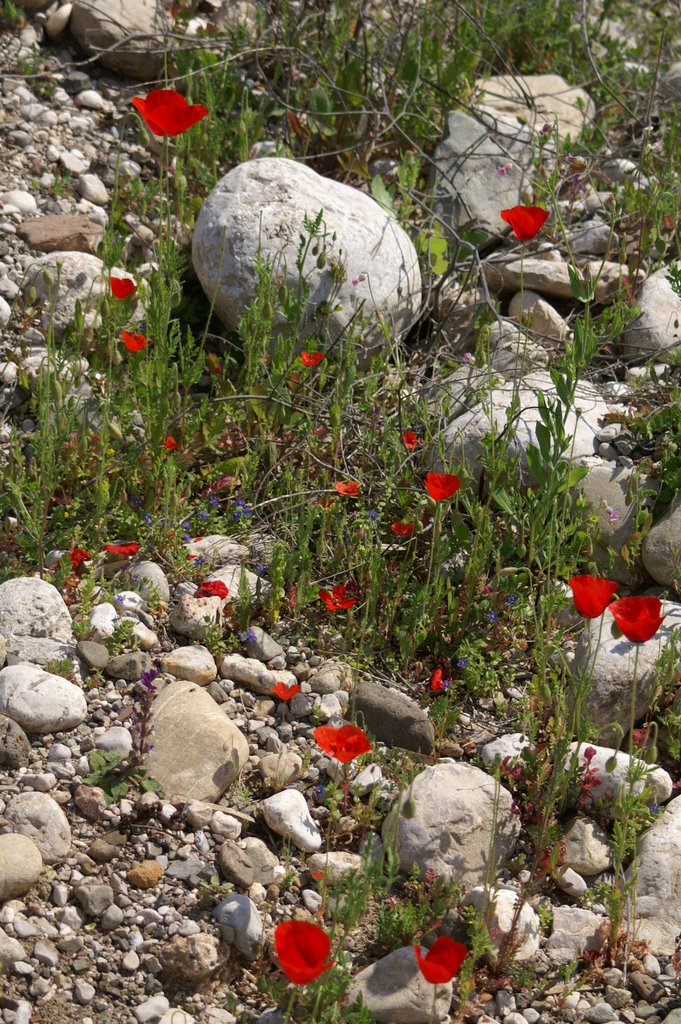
(321, 261)
(408, 808)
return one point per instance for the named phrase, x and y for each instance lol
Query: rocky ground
(161, 909)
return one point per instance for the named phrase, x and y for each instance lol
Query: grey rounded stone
(127, 35)
(39, 701)
(32, 607)
(20, 865)
(241, 924)
(94, 654)
(39, 817)
(258, 210)
(150, 580)
(393, 717)
(130, 667)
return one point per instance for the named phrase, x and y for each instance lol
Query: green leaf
(381, 194)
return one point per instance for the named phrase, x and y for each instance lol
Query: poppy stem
(289, 1006)
(435, 541)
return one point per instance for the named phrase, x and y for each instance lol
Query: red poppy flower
(166, 112)
(212, 588)
(410, 439)
(402, 529)
(337, 599)
(436, 681)
(311, 358)
(124, 550)
(525, 220)
(349, 488)
(324, 502)
(591, 595)
(638, 618)
(345, 743)
(303, 951)
(284, 692)
(442, 961)
(122, 287)
(77, 556)
(170, 443)
(134, 342)
(441, 485)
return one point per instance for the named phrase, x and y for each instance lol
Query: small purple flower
(260, 569)
(147, 518)
(512, 599)
(462, 663)
(319, 792)
(148, 679)
(492, 616)
(202, 515)
(239, 502)
(504, 169)
(250, 636)
(187, 538)
(358, 280)
(468, 358)
(199, 561)
(241, 636)
(186, 525)
(213, 501)
(236, 514)
(654, 808)
(373, 515)
(134, 501)
(545, 128)
(247, 511)
(446, 683)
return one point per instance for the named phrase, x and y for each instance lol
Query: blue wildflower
(373, 515)
(462, 663)
(148, 679)
(134, 501)
(492, 616)
(512, 599)
(213, 501)
(202, 515)
(250, 636)
(186, 525)
(147, 518)
(260, 569)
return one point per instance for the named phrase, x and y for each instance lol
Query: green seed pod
(267, 310)
(408, 808)
(321, 261)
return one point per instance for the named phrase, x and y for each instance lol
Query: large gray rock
(39, 817)
(657, 330)
(610, 662)
(658, 886)
(613, 493)
(252, 673)
(39, 701)
(258, 210)
(39, 650)
(186, 719)
(31, 607)
(127, 35)
(395, 992)
(447, 822)
(63, 279)
(470, 192)
(550, 277)
(393, 717)
(463, 437)
(20, 865)
(661, 550)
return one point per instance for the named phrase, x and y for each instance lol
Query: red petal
(526, 221)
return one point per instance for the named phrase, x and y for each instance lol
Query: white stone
(195, 663)
(395, 992)
(20, 865)
(241, 924)
(288, 815)
(190, 616)
(62, 279)
(252, 673)
(102, 619)
(22, 201)
(587, 847)
(39, 817)
(610, 662)
(186, 718)
(57, 22)
(127, 35)
(510, 745)
(39, 701)
(30, 606)
(656, 331)
(91, 100)
(539, 315)
(500, 917)
(334, 864)
(260, 207)
(448, 820)
(661, 550)
(463, 437)
(93, 189)
(658, 885)
(117, 739)
(575, 930)
(538, 100)
(613, 783)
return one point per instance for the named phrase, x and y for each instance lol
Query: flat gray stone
(32, 607)
(393, 717)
